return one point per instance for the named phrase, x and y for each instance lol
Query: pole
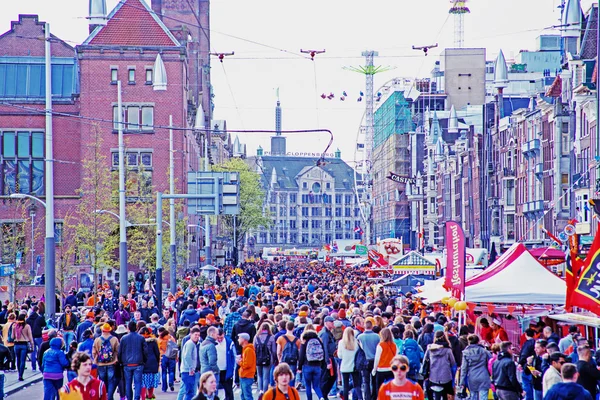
(122, 216)
(32, 213)
(234, 256)
(207, 247)
(49, 243)
(159, 247)
(173, 246)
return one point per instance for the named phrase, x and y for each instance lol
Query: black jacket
(62, 322)
(588, 376)
(527, 350)
(133, 349)
(504, 374)
(37, 324)
(202, 396)
(243, 326)
(302, 356)
(43, 347)
(153, 357)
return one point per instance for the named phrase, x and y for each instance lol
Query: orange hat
(240, 291)
(210, 318)
(218, 297)
(202, 321)
(372, 320)
(342, 313)
(106, 328)
(303, 314)
(90, 314)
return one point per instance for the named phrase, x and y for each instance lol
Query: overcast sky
(267, 35)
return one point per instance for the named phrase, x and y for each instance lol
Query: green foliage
(252, 198)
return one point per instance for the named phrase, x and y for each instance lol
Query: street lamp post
(49, 242)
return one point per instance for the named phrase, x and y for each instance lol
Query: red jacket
(94, 390)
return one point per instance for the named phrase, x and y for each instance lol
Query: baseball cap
(329, 319)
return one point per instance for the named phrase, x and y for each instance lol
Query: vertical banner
(455, 259)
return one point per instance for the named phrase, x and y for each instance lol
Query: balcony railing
(539, 170)
(531, 147)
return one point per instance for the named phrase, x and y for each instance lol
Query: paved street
(36, 391)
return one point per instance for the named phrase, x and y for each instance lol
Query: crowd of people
(276, 328)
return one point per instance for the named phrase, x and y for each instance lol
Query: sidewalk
(12, 383)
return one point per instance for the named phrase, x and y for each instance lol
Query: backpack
(11, 334)
(263, 355)
(314, 350)
(360, 359)
(338, 332)
(290, 351)
(106, 353)
(172, 350)
(412, 352)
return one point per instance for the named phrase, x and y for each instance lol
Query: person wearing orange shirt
(500, 334)
(247, 363)
(486, 331)
(386, 350)
(400, 387)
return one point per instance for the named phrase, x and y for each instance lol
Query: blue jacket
(189, 315)
(133, 349)
(566, 391)
(153, 360)
(230, 358)
(54, 360)
(85, 325)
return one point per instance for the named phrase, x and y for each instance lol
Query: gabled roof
(413, 263)
(288, 167)
(132, 23)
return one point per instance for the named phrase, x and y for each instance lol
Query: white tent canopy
(515, 278)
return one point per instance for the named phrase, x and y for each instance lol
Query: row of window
(135, 118)
(311, 198)
(22, 162)
(318, 212)
(148, 75)
(305, 238)
(317, 224)
(28, 80)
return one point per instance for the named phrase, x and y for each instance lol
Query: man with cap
(247, 365)
(329, 376)
(85, 325)
(104, 355)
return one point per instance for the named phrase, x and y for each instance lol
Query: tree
(65, 252)
(252, 198)
(93, 229)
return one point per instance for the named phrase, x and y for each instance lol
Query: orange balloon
(452, 301)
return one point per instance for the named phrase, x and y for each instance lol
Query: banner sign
(587, 290)
(455, 259)
(361, 250)
(401, 179)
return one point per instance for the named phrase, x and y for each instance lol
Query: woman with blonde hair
(347, 348)
(208, 387)
(386, 351)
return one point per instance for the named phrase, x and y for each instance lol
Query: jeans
(51, 388)
(2, 384)
(227, 385)
(21, 355)
(537, 394)
(527, 386)
(167, 366)
(189, 381)
(480, 395)
(36, 347)
(382, 377)
(182, 388)
(106, 373)
(246, 385)
(369, 381)
(133, 375)
(68, 337)
(356, 383)
(263, 377)
(312, 381)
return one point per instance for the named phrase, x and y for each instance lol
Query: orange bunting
(471, 307)
(511, 309)
(491, 308)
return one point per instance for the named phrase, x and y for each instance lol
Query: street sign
(400, 179)
(220, 193)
